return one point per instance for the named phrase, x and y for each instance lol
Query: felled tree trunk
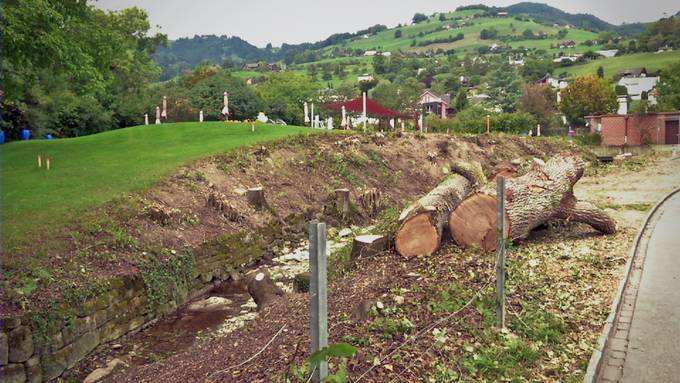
(544, 193)
(263, 290)
(422, 223)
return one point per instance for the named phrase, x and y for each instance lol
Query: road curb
(595, 362)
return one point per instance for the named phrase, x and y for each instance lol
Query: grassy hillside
(614, 65)
(464, 22)
(91, 170)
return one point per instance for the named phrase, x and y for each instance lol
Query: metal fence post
(318, 294)
(500, 261)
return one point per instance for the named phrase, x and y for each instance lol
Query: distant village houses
(273, 67)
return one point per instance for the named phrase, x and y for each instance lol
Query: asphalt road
(653, 353)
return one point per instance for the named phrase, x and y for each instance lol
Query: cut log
(256, 198)
(422, 223)
(544, 193)
(476, 222)
(368, 245)
(263, 290)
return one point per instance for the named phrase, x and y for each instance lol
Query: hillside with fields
(470, 196)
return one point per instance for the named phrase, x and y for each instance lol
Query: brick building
(634, 130)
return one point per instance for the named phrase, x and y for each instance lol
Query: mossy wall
(39, 347)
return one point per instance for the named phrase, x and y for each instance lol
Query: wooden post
(500, 261)
(252, 127)
(47, 162)
(318, 295)
(39, 160)
(488, 124)
(342, 202)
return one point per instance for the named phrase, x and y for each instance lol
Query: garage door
(672, 132)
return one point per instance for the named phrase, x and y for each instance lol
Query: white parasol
(225, 109)
(146, 118)
(158, 115)
(343, 122)
(164, 114)
(200, 116)
(306, 113)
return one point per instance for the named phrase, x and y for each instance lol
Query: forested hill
(546, 13)
(186, 53)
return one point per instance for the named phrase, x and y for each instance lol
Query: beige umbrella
(164, 114)
(146, 118)
(200, 116)
(225, 109)
(158, 115)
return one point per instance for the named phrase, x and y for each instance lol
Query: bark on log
(368, 245)
(263, 290)
(584, 212)
(423, 222)
(544, 193)
(256, 198)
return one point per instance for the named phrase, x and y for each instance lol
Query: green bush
(473, 120)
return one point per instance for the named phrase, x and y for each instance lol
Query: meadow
(614, 65)
(92, 170)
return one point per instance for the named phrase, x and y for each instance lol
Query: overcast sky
(296, 21)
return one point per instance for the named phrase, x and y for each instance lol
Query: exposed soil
(566, 271)
(299, 176)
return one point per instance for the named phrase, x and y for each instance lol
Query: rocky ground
(432, 319)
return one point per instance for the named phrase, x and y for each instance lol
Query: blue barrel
(49, 136)
(25, 134)
(2, 137)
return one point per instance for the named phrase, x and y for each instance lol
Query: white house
(608, 53)
(370, 53)
(514, 61)
(365, 77)
(637, 85)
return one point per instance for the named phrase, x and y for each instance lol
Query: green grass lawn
(614, 65)
(89, 171)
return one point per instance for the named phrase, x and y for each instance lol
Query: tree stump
(256, 198)
(342, 202)
(370, 200)
(423, 222)
(368, 245)
(263, 290)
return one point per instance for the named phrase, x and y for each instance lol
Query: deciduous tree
(587, 95)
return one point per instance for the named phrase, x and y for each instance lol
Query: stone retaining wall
(26, 355)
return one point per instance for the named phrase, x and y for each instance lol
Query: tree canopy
(589, 95)
(71, 69)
